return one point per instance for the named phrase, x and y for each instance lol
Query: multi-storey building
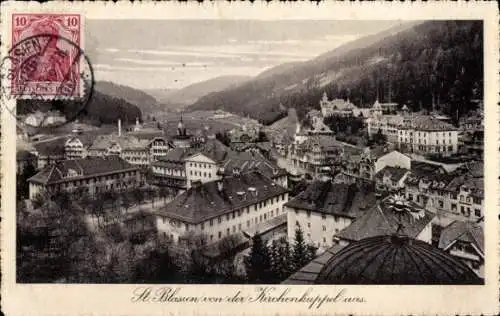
(427, 135)
(209, 162)
(312, 153)
(459, 194)
(221, 208)
(465, 241)
(325, 209)
(365, 164)
(136, 151)
(340, 107)
(94, 175)
(387, 125)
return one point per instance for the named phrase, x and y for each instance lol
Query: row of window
(198, 174)
(199, 165)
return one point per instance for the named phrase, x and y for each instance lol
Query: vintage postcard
(259, 159)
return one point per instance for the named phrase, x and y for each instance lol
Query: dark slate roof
(205, 201)
(252, 161)
(462, 231)
(334, 198)
(382, 220)
(84, 168)
(395, 173)
(394, 259)
(50, 148)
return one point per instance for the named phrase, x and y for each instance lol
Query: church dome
(394, 260)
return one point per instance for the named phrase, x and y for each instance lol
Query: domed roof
(394, 260)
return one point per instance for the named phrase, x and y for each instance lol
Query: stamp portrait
(44, 62)
(232, 158)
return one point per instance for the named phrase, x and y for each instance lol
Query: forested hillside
(102, 109)
(436, 63)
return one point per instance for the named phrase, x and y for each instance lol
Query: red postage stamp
(45, 54)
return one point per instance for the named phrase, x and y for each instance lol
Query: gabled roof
(462, 231)
(395, 173)
(334, 199)
(84, 168)
(204, 201)
(50, 148)
(382, 220)
(252, 161)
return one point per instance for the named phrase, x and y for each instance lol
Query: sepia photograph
(249, 151)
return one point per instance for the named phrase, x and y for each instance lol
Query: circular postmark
(47, 81)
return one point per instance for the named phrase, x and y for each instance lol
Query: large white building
(422, 134)
(324, 209)
(428, 135)
(221, 208)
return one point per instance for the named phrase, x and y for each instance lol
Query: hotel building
(217, 209)
(92, 174)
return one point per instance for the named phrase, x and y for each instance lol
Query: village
(230, 200)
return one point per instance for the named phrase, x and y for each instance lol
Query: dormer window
(72, 173)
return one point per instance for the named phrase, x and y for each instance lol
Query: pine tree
(300, 257)
(258, 263)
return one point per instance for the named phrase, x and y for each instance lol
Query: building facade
(94, 175)
(324, 209)
(222, 208)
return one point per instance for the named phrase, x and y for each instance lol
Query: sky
(171, 54)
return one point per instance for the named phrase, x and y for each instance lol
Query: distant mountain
(144, 101)
(420, 64)
(181, 97)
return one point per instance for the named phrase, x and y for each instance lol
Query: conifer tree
(258, 263)
(299, 250)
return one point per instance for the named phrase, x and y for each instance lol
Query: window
(453, 206)
(462, 209)
(255, 207)
(234, 228)
(234, 214)
(202, 226)
(211, 237)
(239, 226)
(187, 226)
(308, 214)
(248, 210)
(219, 219)
(308, 225)
(227, 216)
(228, 231)
(260, 218)
(323, 216)
(211, 222)
(477, 212)
(248, 223)
(283, 197)
(220, 235)
(265, 216)
(272, 213)
(324, 239)
(324, 228)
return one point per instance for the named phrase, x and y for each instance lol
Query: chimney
(119, 127)
(236, 171)
(220, 185)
